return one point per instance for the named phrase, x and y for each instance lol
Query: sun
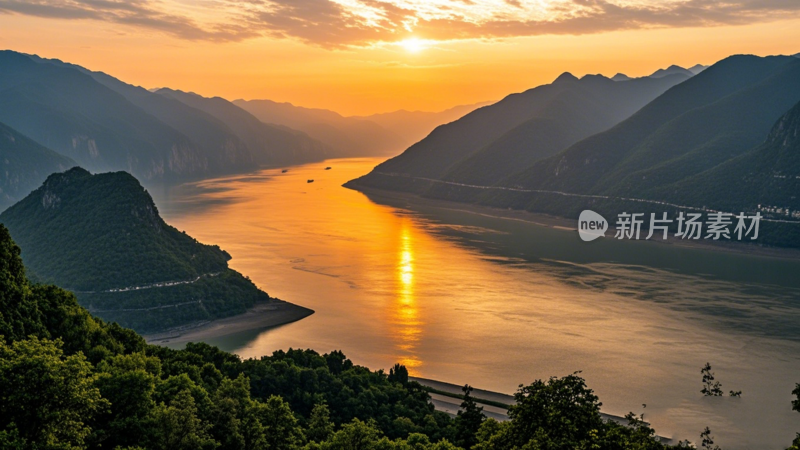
(413, 45)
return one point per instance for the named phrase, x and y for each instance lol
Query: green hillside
(763, 179)
(101, 236)
(25, 165)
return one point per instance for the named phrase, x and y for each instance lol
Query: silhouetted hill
(413, 126)
(348, 136)
(68, 111)
(720, 113)
(25, 165)
(269, 143)
(386, 133)
(102, 237)
(496, 141)
(697, 68)
(105, 124)
(671, 70)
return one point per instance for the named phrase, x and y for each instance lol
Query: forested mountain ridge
(25, 165)
(105, 124)
(101, 235)
(725, 110)
(70, 380)
(658, 158)
(492, 142)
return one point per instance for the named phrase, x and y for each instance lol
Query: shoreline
(451, 405)
(260, 317)
(562, 223)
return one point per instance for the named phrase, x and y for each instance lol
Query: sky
(360, 57)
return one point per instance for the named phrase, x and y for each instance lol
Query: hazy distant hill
(105, 124)
(98, 233)
(216, 124)
(25, 165)
(672, 70)
(378, 134)
(492, 142)
(348, 136)
(412, 126)
(270, 143)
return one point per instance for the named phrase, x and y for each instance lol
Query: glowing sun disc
(413, 45)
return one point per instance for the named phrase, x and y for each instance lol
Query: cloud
(137, 13)
(343, 23)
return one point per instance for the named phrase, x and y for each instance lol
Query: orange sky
(349, 60)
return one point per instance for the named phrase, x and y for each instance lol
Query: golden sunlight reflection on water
(406, 321)
(494, 303)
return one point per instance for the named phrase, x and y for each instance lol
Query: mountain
(25, 165)
(102, 237)
(271, 143)
(493, 142)
(105, 124)
(671, 70)
(349, 136)
(766, 178)
(378, 134)
(716, 115)
(697, 68)
(412, 126)
(621, 77)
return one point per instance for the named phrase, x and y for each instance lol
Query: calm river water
(469, 298)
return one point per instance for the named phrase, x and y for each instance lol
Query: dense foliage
(100, 234)
(71, 381)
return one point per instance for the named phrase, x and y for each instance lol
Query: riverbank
(489, 400)
(258, 318)
(567, 224)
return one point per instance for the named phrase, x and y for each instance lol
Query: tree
(398, 374)
(796, 403)
(711, 388)
(320, 426)
(128, 382)
(281, 428)
(47, 399)
(177, 427)
(468, 420)
(356, 435)
(561, 413)
(707, 441)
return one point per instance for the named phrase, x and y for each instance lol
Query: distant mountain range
(387, 133)
(495, 141)
(722, 139)
(105, 124)
(25, 165)
(671, 70)
(102, 237)
(168, 136)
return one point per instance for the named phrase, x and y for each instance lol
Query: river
(468, 298)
